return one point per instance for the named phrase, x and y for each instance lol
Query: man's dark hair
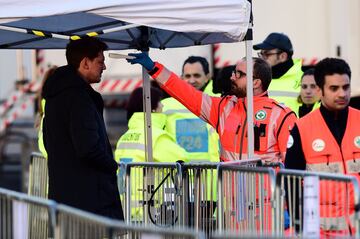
(330, 66)
(262, 70)
(193, 59)
(89, 47)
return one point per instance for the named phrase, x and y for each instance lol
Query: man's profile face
(336, 92)
(194, 74)
(95, 69)
(238, 80)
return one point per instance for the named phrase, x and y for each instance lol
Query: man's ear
(257, 83)
(84, 64)
(208, 77)
(283, 56)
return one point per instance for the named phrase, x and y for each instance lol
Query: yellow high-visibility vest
(286, 89)
(131, 148)
(40, 132)
(132, 143)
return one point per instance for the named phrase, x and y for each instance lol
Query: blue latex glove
(142, 59)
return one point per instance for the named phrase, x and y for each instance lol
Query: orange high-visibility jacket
(322, 153)
(228, 116)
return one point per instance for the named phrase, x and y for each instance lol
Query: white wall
(9, 70)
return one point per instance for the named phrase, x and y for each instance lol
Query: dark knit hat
(135, 102)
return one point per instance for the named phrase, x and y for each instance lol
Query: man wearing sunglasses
(199, 139)
(277, 50)
(227, 114)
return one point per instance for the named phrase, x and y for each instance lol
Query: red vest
(323, 154)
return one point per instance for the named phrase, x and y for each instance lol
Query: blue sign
(192, 135)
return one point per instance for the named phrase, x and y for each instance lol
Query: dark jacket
(82, 171)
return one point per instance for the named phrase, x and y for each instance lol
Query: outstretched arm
(196, 101)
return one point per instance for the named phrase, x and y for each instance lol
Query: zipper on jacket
(236, 137)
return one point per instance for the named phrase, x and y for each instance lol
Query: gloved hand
(142, 59)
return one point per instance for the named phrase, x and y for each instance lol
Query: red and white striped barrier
(219, 61)
(117, 86)
(309, 61)
(14, 113)
(14, 96)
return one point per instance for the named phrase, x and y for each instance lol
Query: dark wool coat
(82, 171)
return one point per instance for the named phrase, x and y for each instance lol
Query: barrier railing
(23, 216)
(38, 176)
(74, 223)
(152, 193)
(199, 195)
(318, 203)
(246, 200)
(58, 221)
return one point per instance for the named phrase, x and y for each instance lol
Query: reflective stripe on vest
(173, 111)
(353, 166)
(164, 74)
(277, 93)
(205, 107)
(232, 156)
(224, 154)
(336, 223)
(227, 109)
(331, 167)
(137, 146)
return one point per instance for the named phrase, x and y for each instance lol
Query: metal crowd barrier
(74, 223)
(38, 176)
(23, 216)
(199, 195)
(57, 221)
(246, 200)
(172, 194)
(328, 206)
(151, 193)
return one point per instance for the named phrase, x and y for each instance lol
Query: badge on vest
(357, 141)
(260, 115)
(318, 145)
(290, 142)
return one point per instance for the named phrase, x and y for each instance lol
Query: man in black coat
(82, 171)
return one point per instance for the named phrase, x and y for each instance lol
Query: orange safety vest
(323, 154)
(228, 116)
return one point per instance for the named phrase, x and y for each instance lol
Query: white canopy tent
(126, 24)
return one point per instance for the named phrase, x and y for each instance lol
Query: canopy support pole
(147, 114)
(249, 94)
(144, 44)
